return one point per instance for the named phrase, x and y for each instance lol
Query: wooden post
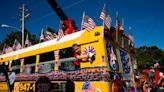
(116, 34)
(10, 63)
(122, 45)
(56, 55)
(22, 64)
(117, 27)
(37, 63)
(56, 67)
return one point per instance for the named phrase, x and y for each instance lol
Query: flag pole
(41, 34)
(82, 20)
(59, 28)
(103, 24)
(38, 56)
(105, 16)
(4, 47)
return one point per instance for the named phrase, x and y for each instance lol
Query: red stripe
(102, 15)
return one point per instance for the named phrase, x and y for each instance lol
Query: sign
(3, 87)
(112, 57)
(24, 86)
(125, 60)
(12, 78)
(43, 84)
(134, 66)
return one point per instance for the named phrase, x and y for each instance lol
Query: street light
(23, 10)
(8, 26)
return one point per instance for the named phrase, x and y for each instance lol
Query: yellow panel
(3, 87)
(100, 52)
(24, 86)
(98, 85)
(37, 62)
(84, 38)
(119, 60)
(22, 63)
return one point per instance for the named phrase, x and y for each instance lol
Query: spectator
(69, 26)
(152, 74)
(144, 87)
(161, 85)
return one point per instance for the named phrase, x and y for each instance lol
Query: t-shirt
(77, 62)
(69, 30)
(157, 77)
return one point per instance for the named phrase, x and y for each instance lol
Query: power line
(69, 6)
(52, 13)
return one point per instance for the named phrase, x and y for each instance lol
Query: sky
(145, 17)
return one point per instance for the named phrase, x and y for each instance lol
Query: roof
(43, 44)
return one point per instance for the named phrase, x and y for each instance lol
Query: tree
(10, 38)
(149, 56)
(50, 29)
(32, 37)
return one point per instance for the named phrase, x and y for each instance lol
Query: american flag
(56, 53)
(103, 14)
(49, 35)
(60, 34)
(107, 21)
(4, 49)
(8, 49)
(42, 36)
(88, 23)
(16, 45)
(27, 42)
(105, 17)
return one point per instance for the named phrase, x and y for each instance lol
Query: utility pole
(5, 70)
(24, 16)
(23, 26)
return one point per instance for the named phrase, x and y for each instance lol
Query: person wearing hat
(84, 58)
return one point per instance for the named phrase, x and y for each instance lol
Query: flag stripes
(56, 53)
(42, 36)
(108, 21)
(103, 14)
(60, 34)
(105, 17)
(88, 23)
(16, 45)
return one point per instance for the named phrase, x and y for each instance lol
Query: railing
(64, 60)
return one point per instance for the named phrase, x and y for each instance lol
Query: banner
(112, 57)
(12, 78)
(125, 60)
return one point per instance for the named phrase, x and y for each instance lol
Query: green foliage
(149, 55)
(50, 29)
(10, 38)
(32, 37)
